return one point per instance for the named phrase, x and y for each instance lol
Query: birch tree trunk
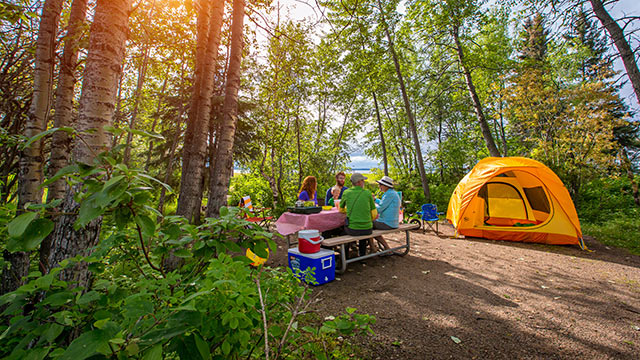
(382, 143)
(32, 159)
(484, 126)
(97, 103)
(195, 148)
(63, 115)
(617, 35)
(147, 163)
(407, 106)
(224, 161)
(142, 72)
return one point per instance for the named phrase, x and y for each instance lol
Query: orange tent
(517, 199)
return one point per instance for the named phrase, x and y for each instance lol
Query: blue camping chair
(429, 215)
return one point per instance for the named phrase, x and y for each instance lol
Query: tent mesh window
(537, 199)
(502, 201)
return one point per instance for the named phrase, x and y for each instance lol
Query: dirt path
(502, 300)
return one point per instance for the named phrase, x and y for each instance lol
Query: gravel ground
(480, 299)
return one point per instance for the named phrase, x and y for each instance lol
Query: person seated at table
(358, 204)
(308, 190)
(340, 177)
(388, 209)
(335, 194)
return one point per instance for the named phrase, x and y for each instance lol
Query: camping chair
(429, 215)
(257, 215)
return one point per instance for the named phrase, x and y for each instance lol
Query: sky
(307, 9)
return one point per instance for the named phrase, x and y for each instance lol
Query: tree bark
(32, 158)
(219, 186)
(156, 116)
(382, 143)
(617, 34)
(97, 102)
(63, 115)
(628, 167)
(170, 162)
(407, 106)
(142, 72)
(484, 126)
(195, 148)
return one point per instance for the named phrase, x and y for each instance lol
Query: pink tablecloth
(290, 223)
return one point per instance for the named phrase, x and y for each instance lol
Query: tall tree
(619, 39)
(97, 103)
(32, 159)
(195, 149)
(63, 115)
(407, 105)
(223, 167)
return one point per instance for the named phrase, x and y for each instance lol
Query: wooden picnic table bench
(341, 241)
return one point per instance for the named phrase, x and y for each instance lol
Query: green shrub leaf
(18, 225)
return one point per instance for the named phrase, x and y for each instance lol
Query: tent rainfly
(517, 199)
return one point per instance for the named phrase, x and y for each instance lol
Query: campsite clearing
(500, 299)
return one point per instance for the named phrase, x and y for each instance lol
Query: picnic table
(289, 223)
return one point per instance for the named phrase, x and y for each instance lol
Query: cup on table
(336, 202)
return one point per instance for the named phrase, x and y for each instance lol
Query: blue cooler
(323, 261)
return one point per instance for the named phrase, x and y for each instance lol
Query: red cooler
(309, 241)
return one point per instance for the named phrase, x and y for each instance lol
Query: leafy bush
(214, 306)
(602, 198)
(252, 185)
(620, 230)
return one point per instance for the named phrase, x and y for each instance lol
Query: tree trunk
(195, 148)
(153, 126)
(142, 72)
(97, 102)
(167, 175)
(300, 173)
(63, 115)
(628, 166)
(32, 159)
(484, 126)
(407, 106)
(617, 34)
(382, 143)
(218, 186)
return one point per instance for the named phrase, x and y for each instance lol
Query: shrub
(214, 306)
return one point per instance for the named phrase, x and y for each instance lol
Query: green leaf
(182, 253)
(61, 173)
(158, 335)
(89, 297)
(18, 225)
(456, 340)
(203, 347)
(36, 354)
(147, 225)
(53, 331)
(39, 136)
(43, 282)
(226, 348)
(224, 211)
(145, 176)
(146, 134)
(113, 182)
(37, 231)
(155, 353)
(88, 212)
(113, 130)
(86, 345)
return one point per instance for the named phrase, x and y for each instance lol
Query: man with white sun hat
(388, 208)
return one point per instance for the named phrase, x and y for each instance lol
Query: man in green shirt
(358, 204)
